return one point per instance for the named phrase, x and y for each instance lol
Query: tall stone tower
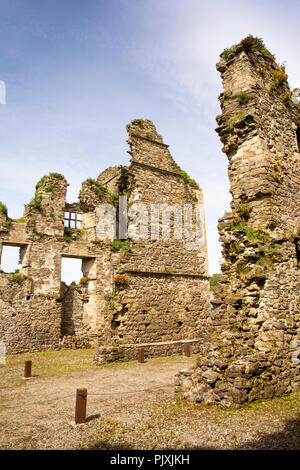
(255, 331)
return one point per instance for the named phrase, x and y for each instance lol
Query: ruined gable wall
(253, 353)
(166, 299)
(30, 311)
(33, 317)
(110, 179)
(27, 322)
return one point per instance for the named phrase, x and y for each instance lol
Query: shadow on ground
(288, 439)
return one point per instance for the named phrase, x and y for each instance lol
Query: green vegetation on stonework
(266, 254)
(21, 219)
(49, 188)
(36, 201)
(99, 188)
(18, 277)
(39, 234)
(227, 95)
(167, 271)
(243, 97)
(248, 44)
(188, 179)
(241, 268)
(137, 121)
(117, 245)
(83, 281)
(9, 221)
(286, 98)
(114, 197)
(214, 280)
(279, 77)
(123, 182)
(260, 45)
(52, 180)
(229, 50)
(50, 177)
(235, 248)
(3, 208)
(266, 261)
(72, 233)
(251, 233)
(244, 211)
(231, 122)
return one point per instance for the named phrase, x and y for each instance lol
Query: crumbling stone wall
(166, 296)
(255, 330)
(73, 299)
(165, 301)
(27, 322)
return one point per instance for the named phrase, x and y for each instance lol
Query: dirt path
(49, 400)
(130, 406)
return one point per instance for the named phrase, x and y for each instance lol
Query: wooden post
(187, 350)
(27, 369)
(80, 407)
(141, 355)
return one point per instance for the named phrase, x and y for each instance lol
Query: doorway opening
(75, 275)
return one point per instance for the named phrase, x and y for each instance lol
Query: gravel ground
(130, 406)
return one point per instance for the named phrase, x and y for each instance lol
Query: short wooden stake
(27, 369)
(187, 350)
(141, 355)
(80, 407)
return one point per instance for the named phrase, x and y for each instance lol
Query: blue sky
(77, 72)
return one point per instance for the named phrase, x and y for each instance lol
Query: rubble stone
(256, 321)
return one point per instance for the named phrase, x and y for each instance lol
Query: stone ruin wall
(166, 299)
(253, 352)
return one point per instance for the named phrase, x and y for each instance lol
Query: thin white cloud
(155, 60)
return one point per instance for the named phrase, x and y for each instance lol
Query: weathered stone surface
(210, 376)
(165, 301)
(256, 320)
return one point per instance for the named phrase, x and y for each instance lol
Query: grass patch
(36, 201)
(18, 277)
(244, 98)
(45, 364)
(231, 122)
(49, 179)
(3, 208)
(248, 44)
(117, 245)
(72, 233)
(214, 280)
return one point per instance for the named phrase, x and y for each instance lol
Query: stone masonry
(254, 347)
(152, 292)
